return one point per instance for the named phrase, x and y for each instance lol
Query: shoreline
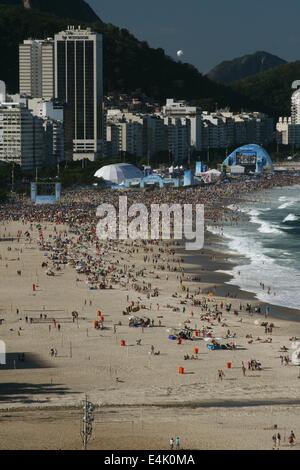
(217, 248)
(211, 276)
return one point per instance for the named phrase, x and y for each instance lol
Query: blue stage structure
(188, 179)
(200, 168)
(45, 193)
(252, 157)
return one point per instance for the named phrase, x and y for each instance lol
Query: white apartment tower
(131, 137)
(52, 115)
(288, 128)
(179, 138)
(296, 107)
(36, 68)
(2, 92)
(79, 84)
(21, 136)
(180, 109)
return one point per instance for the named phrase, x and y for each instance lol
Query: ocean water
(266, 241)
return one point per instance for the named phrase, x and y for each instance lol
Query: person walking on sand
(292, 438)
(221, 374)
(171, 443)
(177, 443)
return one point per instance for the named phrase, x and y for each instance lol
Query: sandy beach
(136, 386)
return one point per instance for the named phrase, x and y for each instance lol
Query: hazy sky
(209, 31)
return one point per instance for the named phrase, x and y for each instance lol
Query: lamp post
(86, 430)
(13, 177)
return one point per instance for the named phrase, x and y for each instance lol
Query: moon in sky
(179, 53)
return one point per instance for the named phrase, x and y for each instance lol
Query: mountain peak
(242, 67)
(73, 9)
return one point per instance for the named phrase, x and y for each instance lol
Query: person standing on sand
(292, 438)
(278, 441)
(244, 369)
(221, 375)
(177, 443)
(171, 443)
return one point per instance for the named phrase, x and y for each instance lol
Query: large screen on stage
(246, 159)
(45, 193)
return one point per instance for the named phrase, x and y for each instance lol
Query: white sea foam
(267, 258)
(264, 226)
(215, 230)
(287, 202)
(261, 268)
(291, 218)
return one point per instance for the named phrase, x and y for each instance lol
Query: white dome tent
(296, 358)
(118, 173)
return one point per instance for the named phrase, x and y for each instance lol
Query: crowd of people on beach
(109, 264)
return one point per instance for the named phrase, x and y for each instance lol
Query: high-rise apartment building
(295, 108)
(52, 115)
(288, 128)
(288, 133)
(79, 84)
(146, 134)
(223, 129)
(179, 138)
(2, 92)
(36, 68)
(180, 109)
(22, 137)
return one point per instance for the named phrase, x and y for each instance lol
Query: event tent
(118, 173)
